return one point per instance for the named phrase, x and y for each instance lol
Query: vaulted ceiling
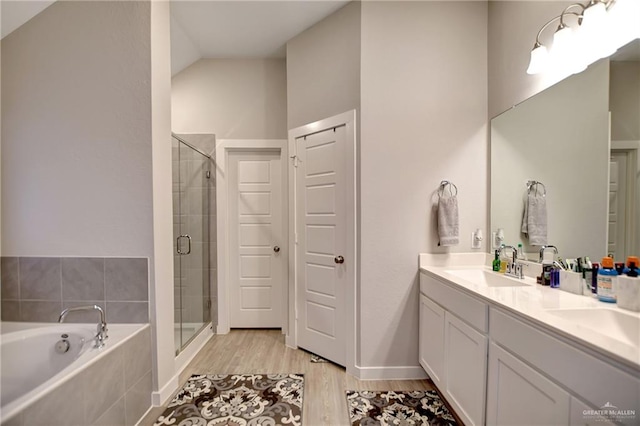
(215, 29)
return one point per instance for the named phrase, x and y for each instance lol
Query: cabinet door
(432, 339)
(465, 370)
(520, 395)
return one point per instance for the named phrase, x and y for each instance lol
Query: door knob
(338, 259)
(276, 249)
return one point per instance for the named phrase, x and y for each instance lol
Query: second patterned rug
(369, 408)
(237, 400)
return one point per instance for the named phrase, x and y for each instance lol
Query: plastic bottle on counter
(587, 274)
(632, 263)
(594, 280)
(607, 276)
(496, 263)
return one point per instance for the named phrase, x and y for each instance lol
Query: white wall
(161, 274)
(76, 134)
(77, 104)
(231, 98)
(513, 26)
(559, 137)
(424, 116)
(625, 101)
(323, 68)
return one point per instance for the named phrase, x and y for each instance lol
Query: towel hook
(446, 184)
(532, 185)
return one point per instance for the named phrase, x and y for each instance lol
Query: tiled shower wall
(37, 289)
(190, 271)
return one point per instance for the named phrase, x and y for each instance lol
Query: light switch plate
(475, 242)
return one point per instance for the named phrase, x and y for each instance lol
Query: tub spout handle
(102, 325)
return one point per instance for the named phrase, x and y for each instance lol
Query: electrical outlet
(476, 239)
(475, 244)
(497, 238)
(495, 241)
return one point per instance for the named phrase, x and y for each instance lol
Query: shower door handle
(178, 246)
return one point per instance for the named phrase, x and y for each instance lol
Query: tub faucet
(101, 336)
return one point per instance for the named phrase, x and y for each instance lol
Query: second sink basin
(488, 278)
(610, 322)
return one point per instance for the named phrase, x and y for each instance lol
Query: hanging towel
(534, 219)
(448, 228)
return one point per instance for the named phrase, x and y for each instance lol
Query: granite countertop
(534, 302)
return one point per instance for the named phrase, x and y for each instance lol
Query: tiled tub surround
(110, 386)
(37, 289)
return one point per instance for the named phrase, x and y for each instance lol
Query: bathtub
(32, 369)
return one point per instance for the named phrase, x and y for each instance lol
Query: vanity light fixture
(574, 46)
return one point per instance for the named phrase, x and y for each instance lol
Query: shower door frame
(207, 238)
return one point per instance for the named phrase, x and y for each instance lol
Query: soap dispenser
(607, 277)
(496, 262)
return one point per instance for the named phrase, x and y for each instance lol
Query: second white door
(257, 255)
(321, 243)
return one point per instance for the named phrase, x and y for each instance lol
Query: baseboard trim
(290, 341)
(138, 423)
(160, 397)
(188, 353)
(391, 373)
(222, 330)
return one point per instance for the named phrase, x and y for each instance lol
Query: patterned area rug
(397, 408)
(237, 400)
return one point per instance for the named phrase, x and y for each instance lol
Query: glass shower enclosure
(191, 236)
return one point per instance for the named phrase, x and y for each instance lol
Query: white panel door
(617, 205)
(321, 243)
(256, 258)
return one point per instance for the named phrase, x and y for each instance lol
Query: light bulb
(562, 42)
(596, 32)
(539, 59)
(580, 59)
(594, 15)
(563, 55)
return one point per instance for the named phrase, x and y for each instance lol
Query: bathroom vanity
(506, 351)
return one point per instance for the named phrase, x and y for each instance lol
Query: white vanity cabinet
(497, 366)
(453, 346)
(519, 395)
(538, 377)
(432, 339)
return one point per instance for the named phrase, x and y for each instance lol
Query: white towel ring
(446, 184)
(532, 185)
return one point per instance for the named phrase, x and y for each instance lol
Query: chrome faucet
(514, 268)
(101, 335)
(545, 248)
(513, 250)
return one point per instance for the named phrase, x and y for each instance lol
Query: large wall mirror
(580, 138)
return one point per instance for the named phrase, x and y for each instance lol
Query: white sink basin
(612, 323)
(488, 278)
